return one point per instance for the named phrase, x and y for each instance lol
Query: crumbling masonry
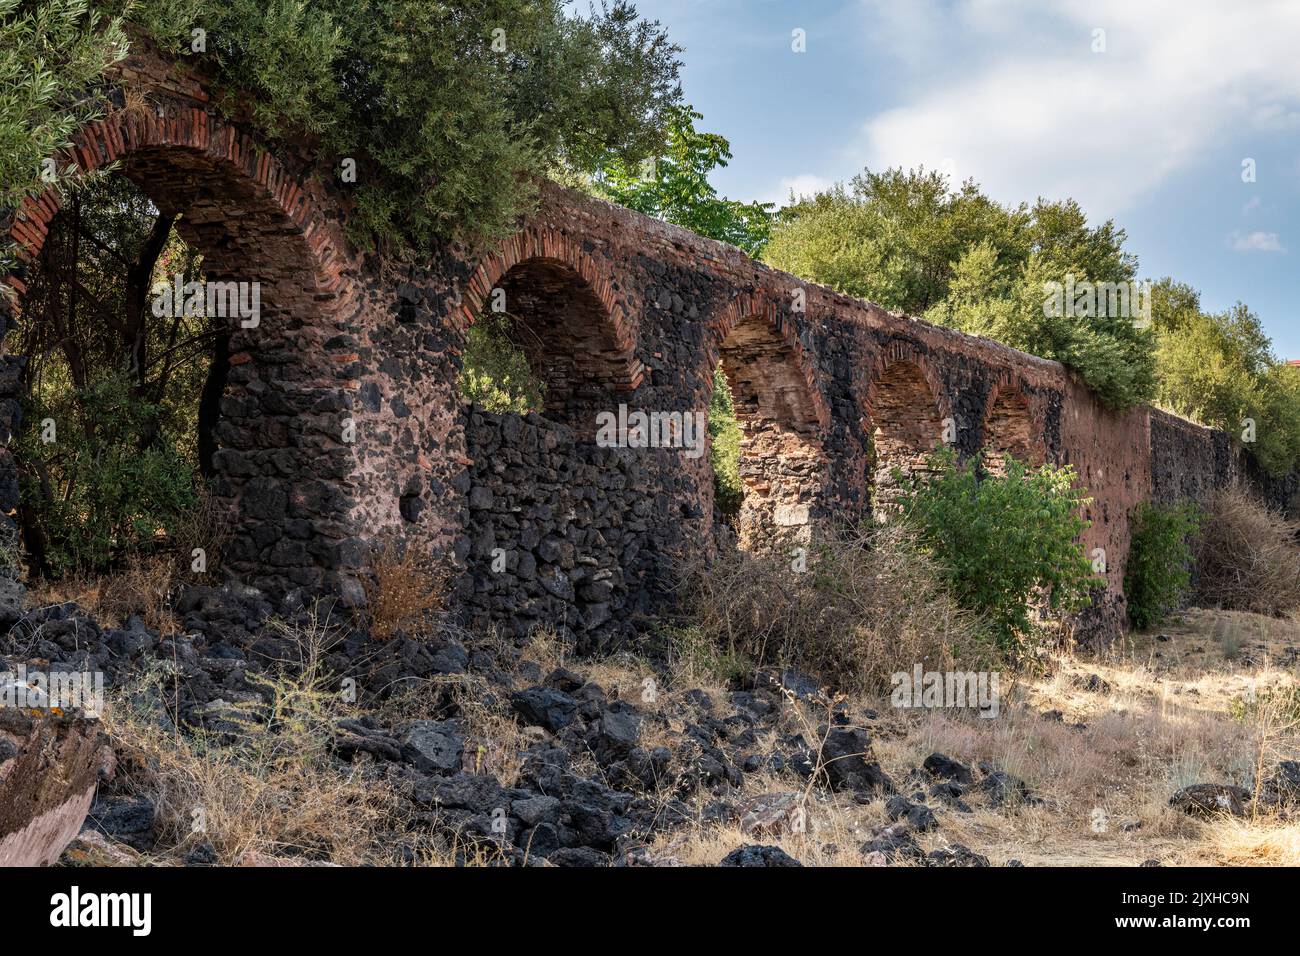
(342, 424)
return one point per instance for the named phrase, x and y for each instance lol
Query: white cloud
(805, 184)
(1256, 242)
(1021, 103)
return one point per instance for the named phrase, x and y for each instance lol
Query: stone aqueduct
(543, 525)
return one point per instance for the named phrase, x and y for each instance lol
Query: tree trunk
(210, 403)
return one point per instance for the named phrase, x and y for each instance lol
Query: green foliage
(1219, 369)
(910, 242)
(52, 54)
(109, 484)
(1159, 560)
(1278, 705)
(451, 110)
(121, 386)
(724, 439)
(675, 187)
(495, 373)
(890, 237)
(1003, 541)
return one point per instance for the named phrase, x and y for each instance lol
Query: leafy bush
(1219, 369)
(870, 604)
(51, 55)
(108, 485)
(495, 372)
(1159, 560)
(908, 240)
(676, 188)
(724, 452)
(1247, 558)
(1002, 541)
(452, 110)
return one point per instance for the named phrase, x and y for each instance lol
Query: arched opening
(542, 340)
(781, 462)
(1008, 432)
(209, 302)
(906, 427)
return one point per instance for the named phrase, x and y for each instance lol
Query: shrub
(1159, 561)
(869, 605)
(1247, 558)
(495, 373)
(108, 486)
(914, 241)
(1002, 541)
(404, 589)
(451, 110)
(724, 450)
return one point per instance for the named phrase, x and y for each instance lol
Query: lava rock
(757, 854)
(433, 746)
(942, 767)
(894, 842)
(545, 707)
(957, 855)
(848, 761)
(1210, 799)
(128, 820)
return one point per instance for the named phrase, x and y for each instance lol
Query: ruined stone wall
(1189, 460)
(566, 535)
(831, 395)
(343, 428)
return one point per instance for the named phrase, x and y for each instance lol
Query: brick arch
(748, 306)
(782, 417)
(1008, 428)
(906, 410)
(598, 338)
(282, 469)
(131, 136)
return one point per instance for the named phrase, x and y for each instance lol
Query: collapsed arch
(906, 426)
(782, 462)
(1008, 431)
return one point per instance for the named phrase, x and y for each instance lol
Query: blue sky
(1151, 131)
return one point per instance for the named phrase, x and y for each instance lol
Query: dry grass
(1247, 556)
(870, 604)
(206, 528)
(1253, 842)
(494, 739)
(143, 586)
(403, 591)
(1172, 717)
(266, 789)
